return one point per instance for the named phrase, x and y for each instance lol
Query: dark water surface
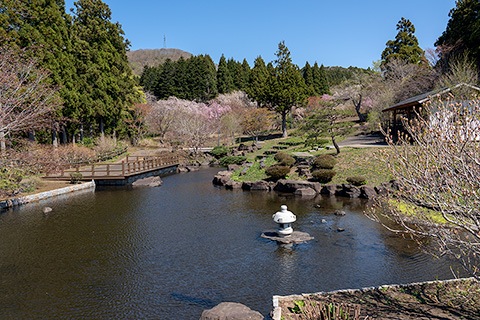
(170, 252)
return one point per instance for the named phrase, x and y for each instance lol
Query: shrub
(357, 180)
(325, 161)
(277, 171)
(219, 152)
(323, 175)
(75, 177)
(316, 142)
(225, 161)
(285, 159)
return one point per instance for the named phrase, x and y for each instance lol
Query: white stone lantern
(284, 218)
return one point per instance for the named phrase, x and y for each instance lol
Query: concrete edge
(45, 195)
(276, 313)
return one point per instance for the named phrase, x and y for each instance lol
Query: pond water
(173, 251)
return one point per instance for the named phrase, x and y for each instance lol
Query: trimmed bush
(325, 161)
(219, 152)
(225, 161)
(277, 171)
(75, 177)
(323, 175)
(357, 180)
(285, 159)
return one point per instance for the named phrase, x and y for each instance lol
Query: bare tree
(256, 120)
(26, 99)
(437, 166)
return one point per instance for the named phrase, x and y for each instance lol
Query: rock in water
(154, 181)
(46, 210)
(231, 311)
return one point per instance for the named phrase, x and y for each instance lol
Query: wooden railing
(131, 165)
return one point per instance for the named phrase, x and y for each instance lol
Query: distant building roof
(424, 97)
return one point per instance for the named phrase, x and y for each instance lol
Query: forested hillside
(153, 57)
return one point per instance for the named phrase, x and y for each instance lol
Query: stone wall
(45, 195)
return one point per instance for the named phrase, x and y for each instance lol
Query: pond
(173, 251)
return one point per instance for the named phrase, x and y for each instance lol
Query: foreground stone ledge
(5, 204)
(276, 313)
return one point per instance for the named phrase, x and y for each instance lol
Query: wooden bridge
(123, 172)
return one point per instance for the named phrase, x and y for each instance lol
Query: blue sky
(334, 33)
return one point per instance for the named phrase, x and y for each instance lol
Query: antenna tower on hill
(164, 41)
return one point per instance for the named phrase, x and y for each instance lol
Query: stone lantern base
(294, 238)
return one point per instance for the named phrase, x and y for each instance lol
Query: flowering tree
(195, 122)
(437, 166)
(215, 113)
(162, 115)
(26, 99)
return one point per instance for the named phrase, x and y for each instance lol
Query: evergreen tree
(105, 82)
(245, 74)
(405, 46)
(320, 80)
(257, 81)
(463, 31)
(307, 73)
(285, 86)
(224, 80)
(165, 85)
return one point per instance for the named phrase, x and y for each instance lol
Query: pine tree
(405, 46)
(224, 80)
(105, 82)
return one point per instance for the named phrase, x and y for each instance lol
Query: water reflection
(170, 252)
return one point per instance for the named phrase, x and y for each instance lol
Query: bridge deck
(129, 167)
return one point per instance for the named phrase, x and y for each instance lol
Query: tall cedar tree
(405, 46)
(224, 79)
(285, 86)
(307, 74)
(106, 85)
(462, 34)
(320, 80)
(245, 74)
(257, 80)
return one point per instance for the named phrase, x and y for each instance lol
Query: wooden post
(108, 170)
(93, 170)
(123, 169)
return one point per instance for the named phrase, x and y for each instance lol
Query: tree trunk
(358, 105)
(31, 135)
(81, 132)
(91, 131)
(3, 145)
(284, 124)
(335, 144)
(54, 137)
(64, 135)
(102, 134)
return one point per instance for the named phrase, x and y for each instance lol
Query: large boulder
(305, 192)
(349, 191)
(256, 185)
(221, 178)
(329, 190)
(230, 184)
(367, 192)
(290, 186)
(231, 311)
